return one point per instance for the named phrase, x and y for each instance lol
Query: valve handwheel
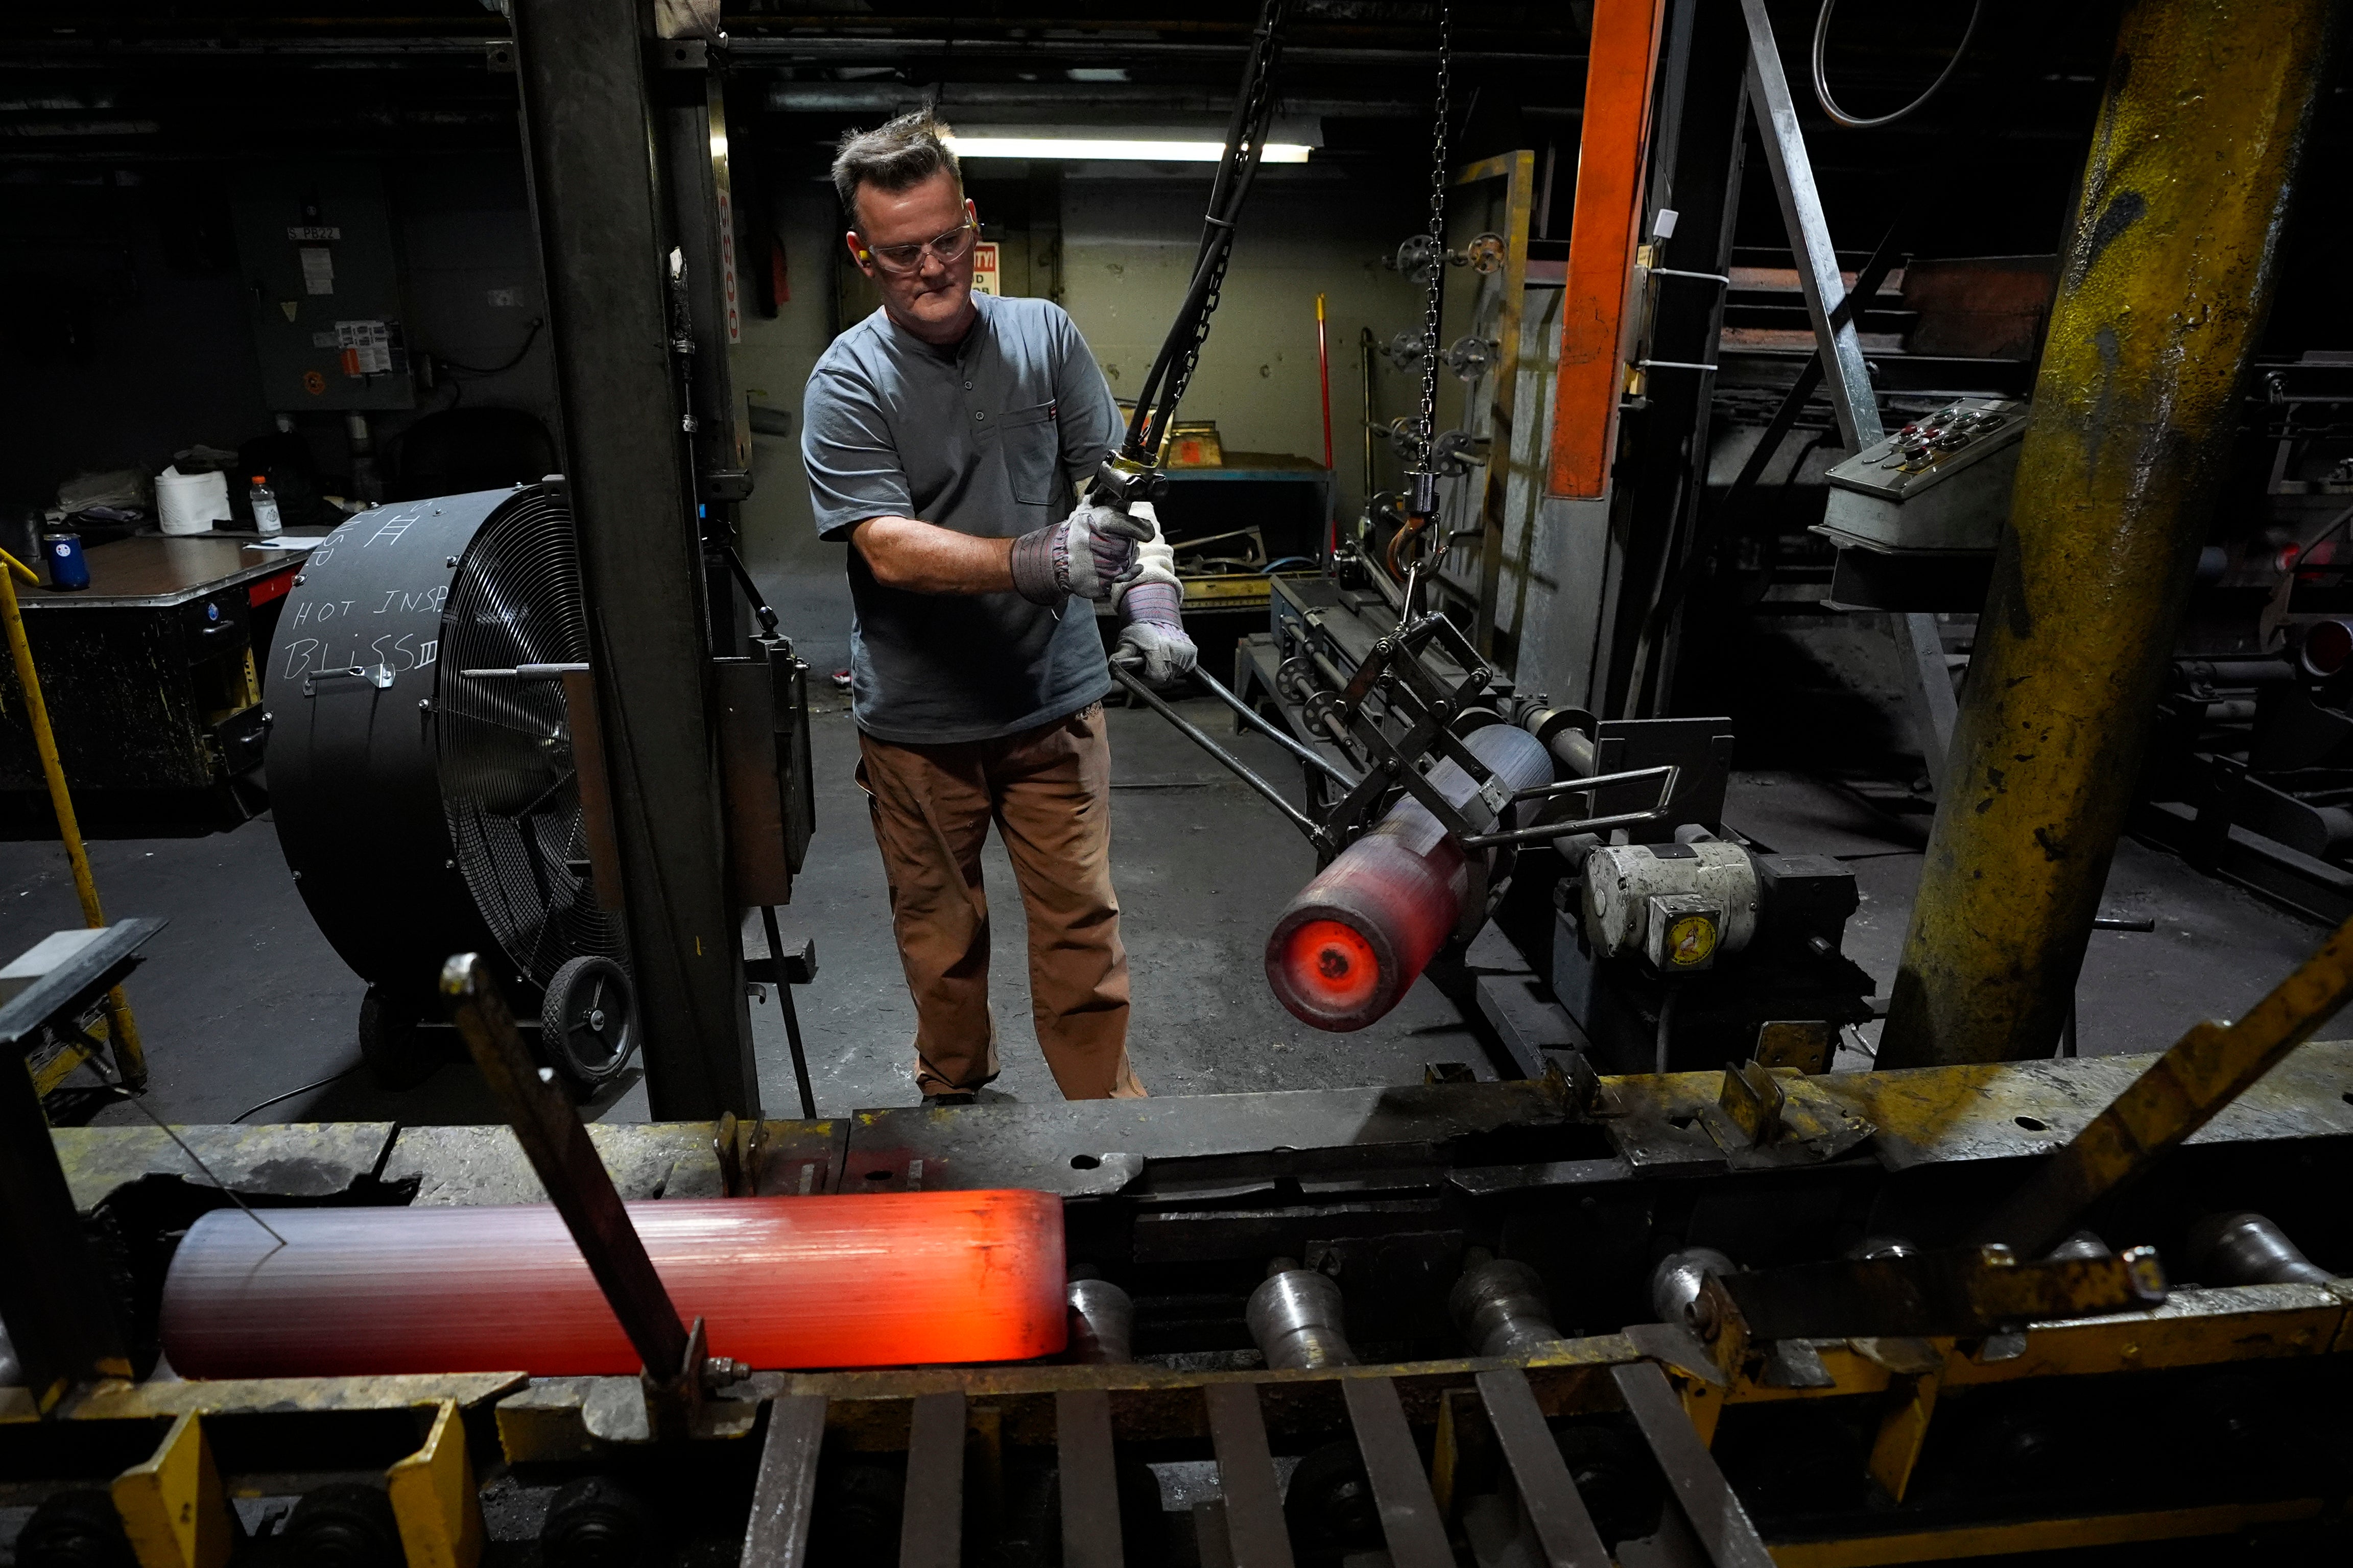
(587, 1026)
(1485, 253)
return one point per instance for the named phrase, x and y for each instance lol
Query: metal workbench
(152, 679)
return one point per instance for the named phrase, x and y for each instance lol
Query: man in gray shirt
(940, 435)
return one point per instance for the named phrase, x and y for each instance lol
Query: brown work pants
(1049, 791)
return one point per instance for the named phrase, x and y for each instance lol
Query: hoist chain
(1256, 118)
(1438, 174)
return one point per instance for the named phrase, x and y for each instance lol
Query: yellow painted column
(2162, 293)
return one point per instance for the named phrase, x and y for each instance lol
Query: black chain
(1256, 118)
(1438, 174)
(1181, 373)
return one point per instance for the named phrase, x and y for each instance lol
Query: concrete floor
(242, 999)
(2216, 949)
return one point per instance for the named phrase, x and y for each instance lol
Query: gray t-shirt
(978, 437)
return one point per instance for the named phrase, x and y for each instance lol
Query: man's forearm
(925, 558)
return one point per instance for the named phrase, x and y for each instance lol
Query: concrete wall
(1128, 249)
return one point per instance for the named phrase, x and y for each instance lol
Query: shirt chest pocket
(1031, 442)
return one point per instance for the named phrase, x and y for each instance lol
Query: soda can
(67, 567)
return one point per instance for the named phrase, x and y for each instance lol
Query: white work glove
(1154, 639)
(1088, 554)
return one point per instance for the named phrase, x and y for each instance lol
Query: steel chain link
(1438, 172)
(1257, 118)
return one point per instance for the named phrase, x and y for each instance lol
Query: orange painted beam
(1603, 232)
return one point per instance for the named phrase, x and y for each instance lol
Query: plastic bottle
(265, 506)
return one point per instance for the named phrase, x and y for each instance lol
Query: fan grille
(504, 751)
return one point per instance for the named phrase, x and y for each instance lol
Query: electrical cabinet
(322, 289)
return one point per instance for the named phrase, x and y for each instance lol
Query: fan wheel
(587, 1025)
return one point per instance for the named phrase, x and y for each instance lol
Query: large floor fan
(422, 776)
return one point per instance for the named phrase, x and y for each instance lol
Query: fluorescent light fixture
(1108, 148)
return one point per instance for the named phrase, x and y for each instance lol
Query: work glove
(1154, 641)
(1087, 554)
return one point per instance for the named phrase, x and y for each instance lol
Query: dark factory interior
(1310, 784)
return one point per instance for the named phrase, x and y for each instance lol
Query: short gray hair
(893, 157)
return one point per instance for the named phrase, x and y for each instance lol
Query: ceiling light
(1091, 147)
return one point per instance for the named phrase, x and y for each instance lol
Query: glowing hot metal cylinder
(880, 1279)
(1348, 946)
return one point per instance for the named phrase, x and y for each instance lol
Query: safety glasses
(946, 250)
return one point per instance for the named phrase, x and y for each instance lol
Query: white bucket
(191, 503)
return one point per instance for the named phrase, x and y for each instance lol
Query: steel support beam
(691, 114)
(2162, 295)
(1818, 278)
(1604, 230)
(1697, 158)
(1920, 665)
(589, 140)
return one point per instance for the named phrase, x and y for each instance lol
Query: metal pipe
(1345, 949)
(1324, 380)
(2235, 671)
(791, 1014)
(1264, 726)
(2162, 298)
(1852, 401)
(897, 46)
(1567, 734)
(1193, 733)
(853, 1279)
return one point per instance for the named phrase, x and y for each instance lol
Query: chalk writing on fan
(405, 652)
(315, 611)
(409, 600)
(392, 528)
